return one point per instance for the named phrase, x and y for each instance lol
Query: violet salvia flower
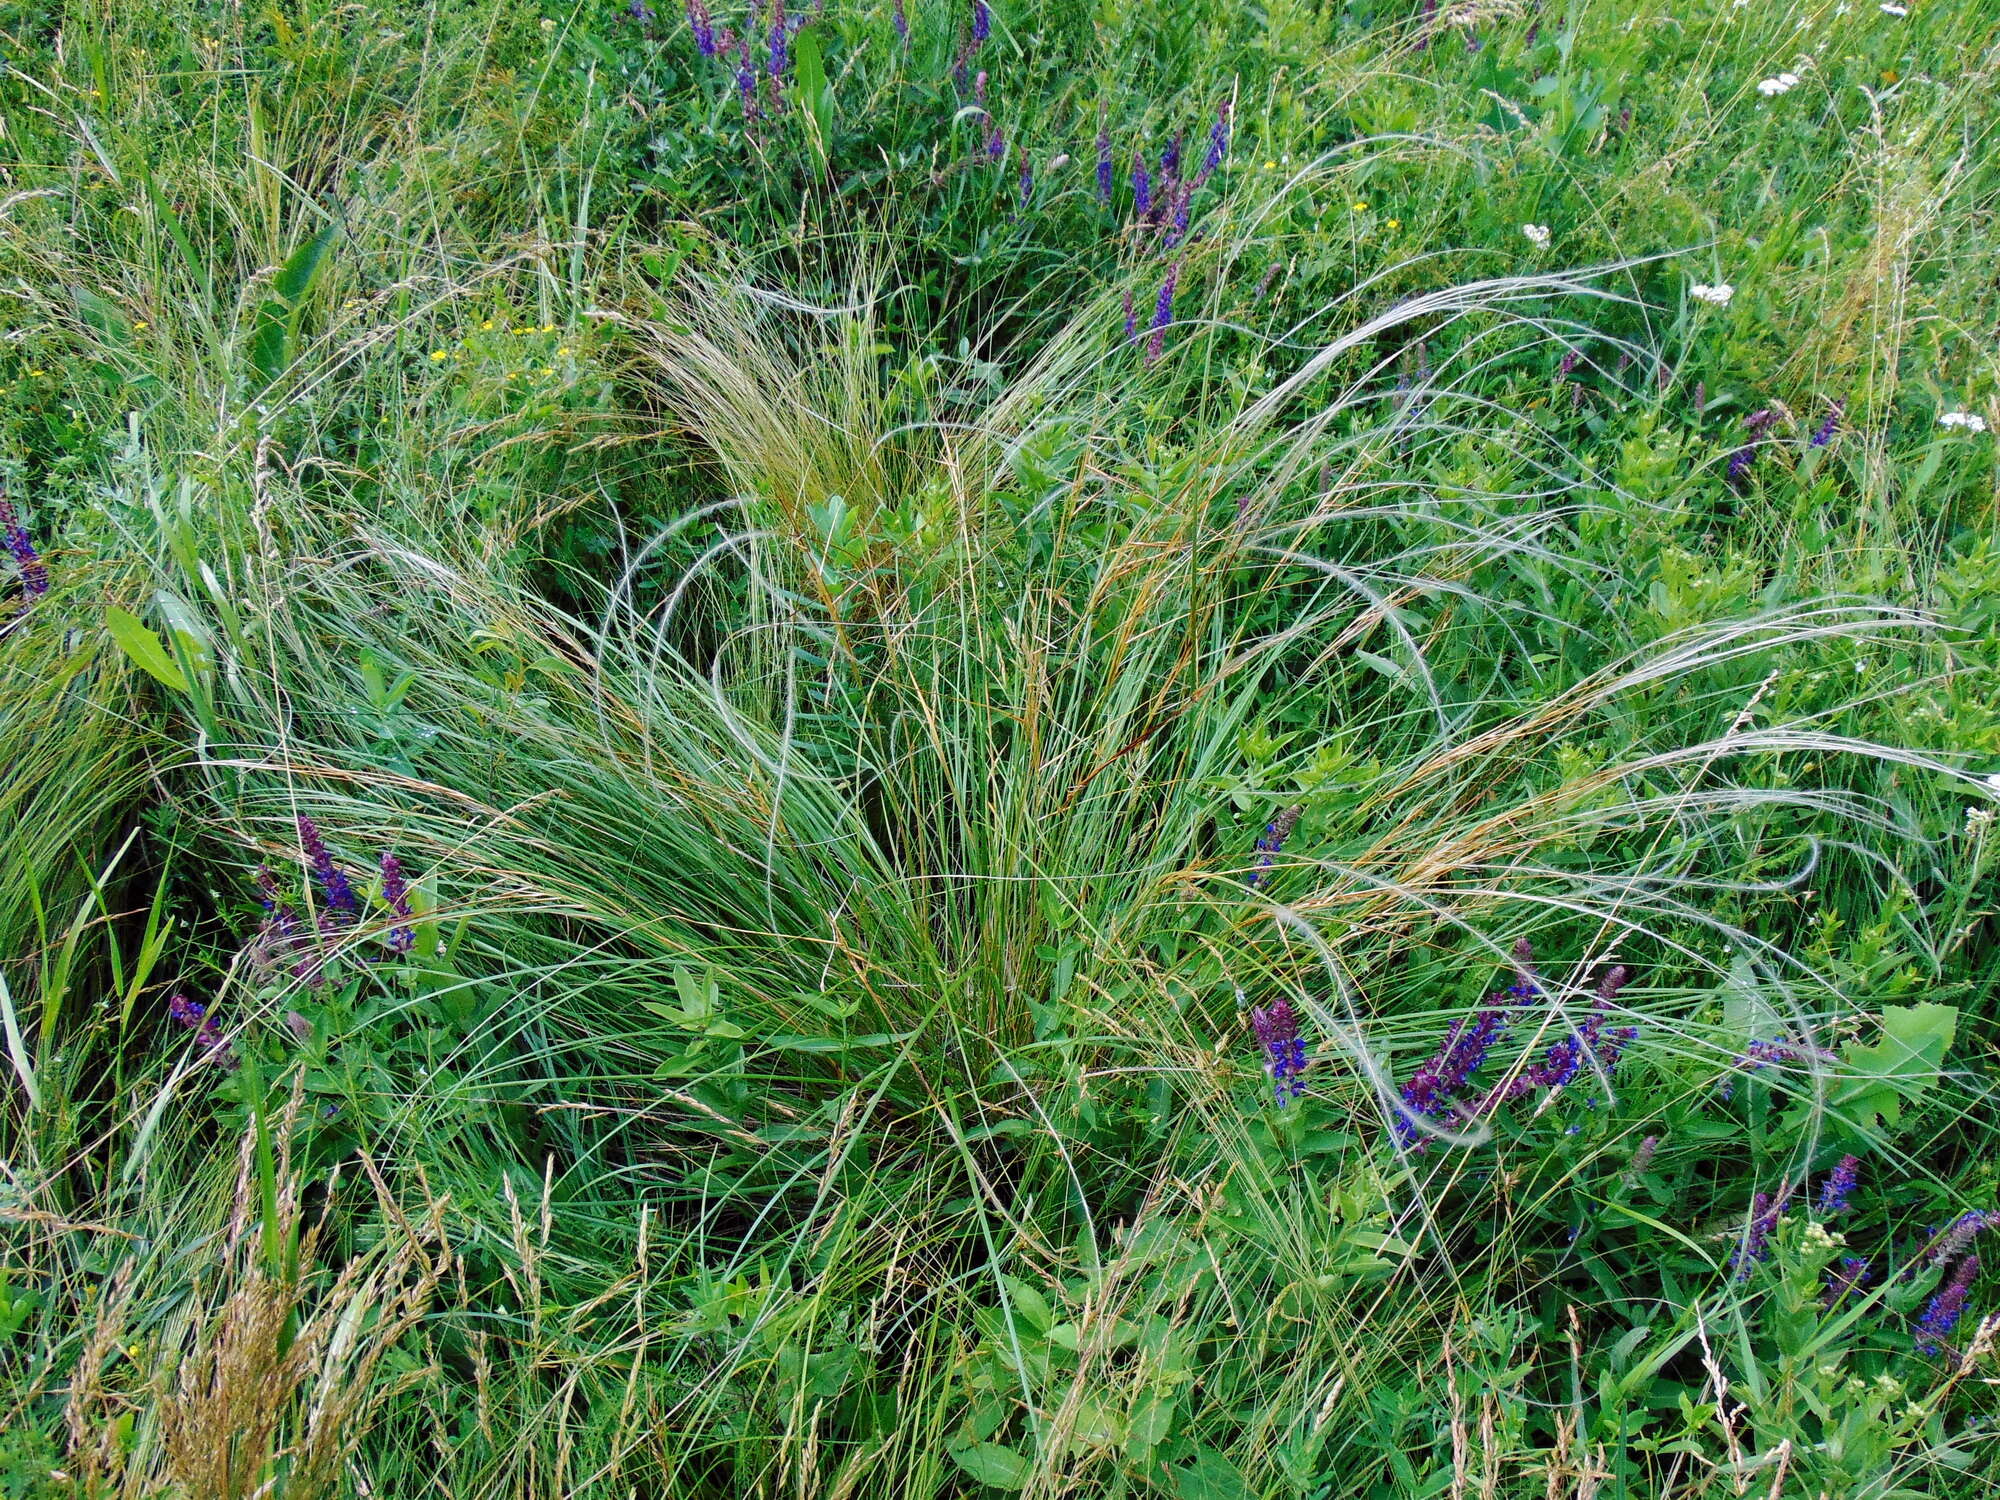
(1754, 1057)
(341, 902)
(1218, 142)
(1142, 186)
(641, 12)
(1838, 1189)
(1844, 1280)
(1945, 1309)
(1439, 1079)
(1027, 182)
(1829, 429)
(996, 145)
(1170, 158)
(979, 86)
(699, 22)
(901, 21)
(21, 547)
(396, 893)
(1163, 314)
(1180, 214)
(1570, 360)
(1272, 842)
(982, 22)
(1429, 14)
(1277, 1028)
(781, 35)
(196, 1018)
(746, 83)
(1106, 173)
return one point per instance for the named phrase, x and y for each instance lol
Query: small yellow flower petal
(440, 354)
(548, 328)
(1395, 223)
(1360, 208)
(487, 326)
(563, 353)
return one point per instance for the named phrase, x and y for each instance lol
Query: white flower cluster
(1970, 421)
(1784, 83)
(1892, 9)
(1538, 234)
(1719, 294)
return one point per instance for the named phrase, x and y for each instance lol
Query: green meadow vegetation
(896, 749)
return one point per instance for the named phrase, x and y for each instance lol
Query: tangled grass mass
(906, 748)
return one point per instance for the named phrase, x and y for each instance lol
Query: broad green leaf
(992, 1463)
(145, 649)
(1885, 1075)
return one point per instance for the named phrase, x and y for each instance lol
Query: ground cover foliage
(924, 749)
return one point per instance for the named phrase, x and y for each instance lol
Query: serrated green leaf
(144, 648)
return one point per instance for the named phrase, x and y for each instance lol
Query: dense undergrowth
(1188, 750)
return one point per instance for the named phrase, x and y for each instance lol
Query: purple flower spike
(1277, 1028)
(1181, 200)
(746, 84)
(21, 547)
(1218, 142)
(341, 902)
(1834, 1196)
(979, 86)
(901, 22)
(699, 22)
(781, 36)
(1163, 314)
(982, 22)
(1272, 841)
(1170, 159)
(1142, 187)
(1829, 429)
(1964, 1230)
(1131, 319)
(1945, 1309)
(1106, 173)
(1438, 1081)
(1027, 182)
(396, 893)
(996, 145)
(1756, 1242)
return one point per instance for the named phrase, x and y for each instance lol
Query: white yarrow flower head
(1718, 295)
(1970, 421)
(1784, 83)
(1993, 782)
(1892, 9)
(1538, 234)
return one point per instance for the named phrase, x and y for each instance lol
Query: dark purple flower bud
(341, 902)
(1570, 360)
(1180, 220)
(1838, 1189)
(982, 22)
(901, 22)
(1131, 319)
(1272, 842)
(1027, 182)
(1427, 15)
(1844, 1280)
(1534, 31)
(1106, 173)
(1437, 1082)
(699, 22)
(1142, 186)
(1163, 314)
(1277, 1028)
(996, 145)
(396, 894)
(1754, 1057)
(746, 84)
(1829, 429)
(21, 547)
(641, 12)
(1945, 1309)
(1170, 159)
(1739, 464)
